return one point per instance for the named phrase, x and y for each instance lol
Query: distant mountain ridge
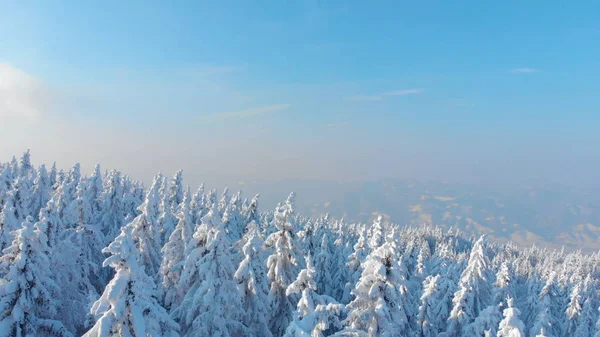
(550, 215)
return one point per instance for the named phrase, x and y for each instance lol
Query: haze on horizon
(490, 94)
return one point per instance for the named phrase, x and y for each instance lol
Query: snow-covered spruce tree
(76, 262)
(42, 189)
(315, 313)
(586, 320)
(194, 250)
(112, 216)
(27, 302)
(474, 291)
(598, 326)
(281, 268)
(251, 212)
(430, 319)
(26, 170)
(167, 220)
(197, 205)
(175, 192)
(21, 194)
(95, 188)
(511, 325)
(376, 237)
(232, 218)
(128, 307)
(502, 286)
(573, 311)
(251, 276)
(8, 221)
(173, 254)
(213, 305)
(546, 310)
(379, 305)
(355, 261)
(146, 229)
(342, 249)
(223, 201)
(323, 262)
(486, 324)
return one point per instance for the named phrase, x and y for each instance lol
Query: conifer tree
(474, 291)
(173, 255)
(112, 216)
(213, 305)
(281, 268)
(251, 276)
(128, 307)
(511, 325)
(175, 192)
(27, 302)
(323, 261)
(146, 229)
(380, 297)
(354, 265)
(197, 205)
(42, 188)
(315, 313)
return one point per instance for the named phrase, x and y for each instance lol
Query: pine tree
(175, 193)
(380, 297)
(76, 262)
(41, 192)
(546, 310)
(167, 220)
(511, 325)
(377, 237)
(354, 265)
(27, 301)
(251, 276)
(112, 216)
(474, 291)
(213, 305)
(502, 286)
(315, 313)
(573, 311)
(223, 201)
(128, 307)
(486, 324)
(281, 268)
(251, 213)
(197, 205)
(232, 218)
(173, 254)
(586, 320)
(323, 261)
(8, 221)
(95, 190)
(146, 229)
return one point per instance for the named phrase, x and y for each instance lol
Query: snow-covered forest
(103, 255)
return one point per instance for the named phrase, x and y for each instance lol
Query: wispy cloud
(403, 92)
(22, 96)
(524, 70)
(381, 96)
(252, 112)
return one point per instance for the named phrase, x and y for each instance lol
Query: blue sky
(468, 91)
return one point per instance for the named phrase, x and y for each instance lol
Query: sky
(468, 91)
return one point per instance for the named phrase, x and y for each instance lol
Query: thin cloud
(381, 96)
(403, 92)
(22, 96)
(524, 70)
(252, 112)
